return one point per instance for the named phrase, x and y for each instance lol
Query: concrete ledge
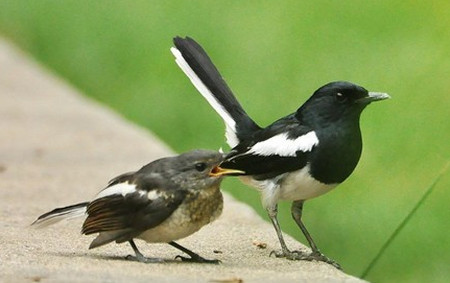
(58, 148)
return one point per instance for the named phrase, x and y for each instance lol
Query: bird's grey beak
(374, 96)
(218, 171)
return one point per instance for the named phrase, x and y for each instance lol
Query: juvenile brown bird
(166, 200)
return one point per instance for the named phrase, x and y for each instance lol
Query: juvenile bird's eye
(200, 166)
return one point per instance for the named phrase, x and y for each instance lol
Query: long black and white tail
(196, 64)
(58, 214)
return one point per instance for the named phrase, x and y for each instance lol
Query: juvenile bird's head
(337, 101)
(199, 169)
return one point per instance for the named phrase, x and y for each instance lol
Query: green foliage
(274, 54)
(402, 225)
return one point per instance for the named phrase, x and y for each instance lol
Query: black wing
(272, 162)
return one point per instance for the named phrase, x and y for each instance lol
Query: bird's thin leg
(140, 257)
(193, 256)
(272, 213)
(296, 211)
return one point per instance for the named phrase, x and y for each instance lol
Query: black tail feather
(204, 68)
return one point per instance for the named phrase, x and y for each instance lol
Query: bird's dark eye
(341, 97)
(200, 166)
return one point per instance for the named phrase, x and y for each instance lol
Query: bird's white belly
(299, 185)
(296, 185)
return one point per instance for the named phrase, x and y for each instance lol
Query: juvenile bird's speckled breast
(198, 209)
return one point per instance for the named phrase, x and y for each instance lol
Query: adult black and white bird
(166, 200)
(298, 157)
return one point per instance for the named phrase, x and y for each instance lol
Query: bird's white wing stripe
(283, 146)
(118, 189)
(206, 93)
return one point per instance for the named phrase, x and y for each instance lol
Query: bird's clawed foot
(321, 257)
(198, 259)
(291, 255)
(298, 255)
(143, 259)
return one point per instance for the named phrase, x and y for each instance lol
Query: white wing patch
(155, 194)
(206, 93)
(152, 195)
(118, 189)
(283, 146)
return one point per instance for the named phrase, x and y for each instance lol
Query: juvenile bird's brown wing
(129, 209)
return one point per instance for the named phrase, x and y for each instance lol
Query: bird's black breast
(337, 154)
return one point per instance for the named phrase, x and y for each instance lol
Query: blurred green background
(274, 54)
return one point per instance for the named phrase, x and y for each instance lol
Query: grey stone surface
(58, 148)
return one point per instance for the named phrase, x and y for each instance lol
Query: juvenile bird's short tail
(58, 214)
(196, 64)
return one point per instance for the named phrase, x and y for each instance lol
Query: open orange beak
(219, 171)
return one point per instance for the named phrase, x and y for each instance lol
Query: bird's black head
(337, 101)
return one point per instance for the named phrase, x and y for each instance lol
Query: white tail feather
(60, 214)
(230, 124)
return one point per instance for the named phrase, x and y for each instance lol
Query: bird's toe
(291, 255)
(300, 255)
(318, 256)
(198, 259)
(144, 259)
